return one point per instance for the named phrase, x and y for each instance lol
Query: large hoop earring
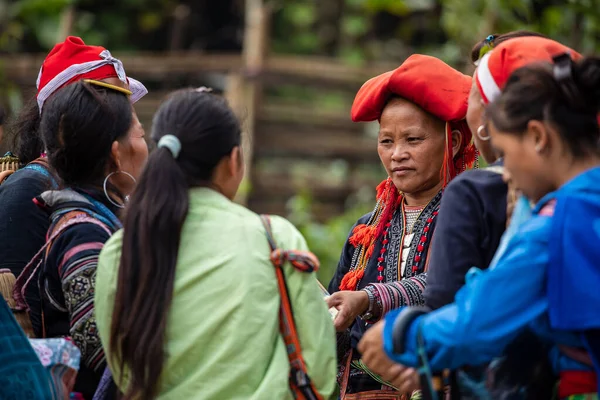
(106, 192)
(480, 136)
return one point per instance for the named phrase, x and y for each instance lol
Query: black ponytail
(208, 131)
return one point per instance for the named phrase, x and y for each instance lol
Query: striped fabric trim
(136, 87)
(389, 296)
(485, 81)
(77, 249)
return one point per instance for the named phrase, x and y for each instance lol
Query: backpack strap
(300, 383)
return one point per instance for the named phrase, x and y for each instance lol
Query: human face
(132, 154)
(526, 169)
(411, 148)
(475, 120)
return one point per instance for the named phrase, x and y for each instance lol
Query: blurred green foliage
(327, 239)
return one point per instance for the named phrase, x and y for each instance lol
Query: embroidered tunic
(402, 285)
(63, 299)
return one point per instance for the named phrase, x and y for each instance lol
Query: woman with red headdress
(23, 225)
(423, 143)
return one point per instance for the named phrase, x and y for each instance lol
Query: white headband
(488, 84)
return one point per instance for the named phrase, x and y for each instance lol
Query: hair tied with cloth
(563, 74)
(172, 143)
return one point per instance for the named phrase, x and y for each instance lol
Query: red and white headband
(138, 90)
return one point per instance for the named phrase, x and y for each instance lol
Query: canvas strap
(300, 383)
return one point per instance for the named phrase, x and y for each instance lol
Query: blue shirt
(496, 305)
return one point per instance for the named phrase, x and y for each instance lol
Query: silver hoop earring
(106, 192)
(480, 136)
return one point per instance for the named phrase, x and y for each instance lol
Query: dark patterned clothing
(23, 225)
(399, 289)
(471, 222)
(67, 279)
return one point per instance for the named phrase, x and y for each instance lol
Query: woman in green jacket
(187, 300)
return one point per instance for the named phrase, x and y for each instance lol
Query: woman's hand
(350, 305)
(405, 379)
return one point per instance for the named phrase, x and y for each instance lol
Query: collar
(586, 181)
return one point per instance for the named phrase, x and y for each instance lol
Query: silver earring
(480, 136)
(106, 192)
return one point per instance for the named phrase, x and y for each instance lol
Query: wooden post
(67, 19)
(254, 54)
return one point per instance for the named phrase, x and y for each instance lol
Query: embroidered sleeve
(389, 296)
(77, 272)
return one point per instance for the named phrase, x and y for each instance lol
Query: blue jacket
(552, 255)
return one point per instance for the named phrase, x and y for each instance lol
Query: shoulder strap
(300, 383)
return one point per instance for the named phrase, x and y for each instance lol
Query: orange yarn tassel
(351, 279)
(362, 235)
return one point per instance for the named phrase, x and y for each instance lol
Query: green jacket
(223, 338)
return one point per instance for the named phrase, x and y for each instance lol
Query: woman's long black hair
(208, 131)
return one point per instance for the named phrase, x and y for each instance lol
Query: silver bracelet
(367, 315)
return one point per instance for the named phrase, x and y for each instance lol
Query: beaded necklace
(407, 227)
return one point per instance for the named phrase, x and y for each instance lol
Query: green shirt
(223, 338)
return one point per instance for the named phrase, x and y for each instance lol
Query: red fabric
(518, 52)
(435, 87)
(423, 80)
(576, 382)
(73, 51)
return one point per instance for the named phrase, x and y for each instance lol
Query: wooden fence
(294, 142)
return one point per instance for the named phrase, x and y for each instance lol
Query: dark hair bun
(588, 81)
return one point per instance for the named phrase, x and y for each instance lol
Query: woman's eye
(384, 141)
(414, 139)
